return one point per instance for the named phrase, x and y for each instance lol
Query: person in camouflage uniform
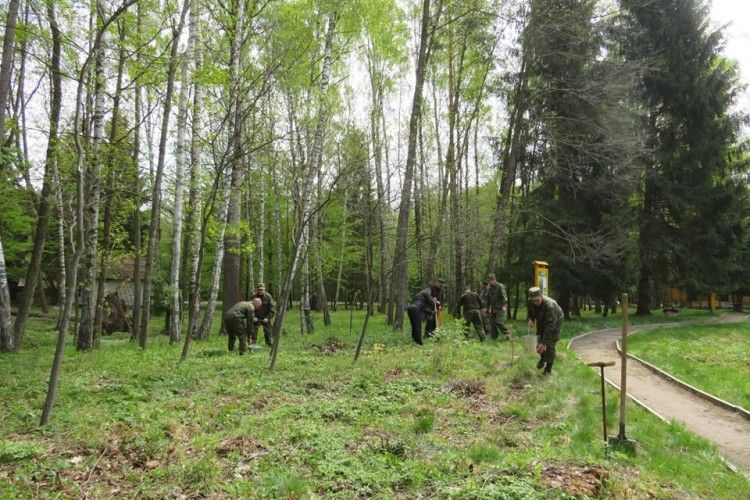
(421, 308)
(238, 320)
(471, 304)
(549, 317)
(495, 303)
(263, 315)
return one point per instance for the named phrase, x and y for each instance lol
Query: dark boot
(547, 369)
(540, 364)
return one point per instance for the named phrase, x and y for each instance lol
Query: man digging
(548, 316)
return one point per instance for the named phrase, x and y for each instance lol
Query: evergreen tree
(687, 227)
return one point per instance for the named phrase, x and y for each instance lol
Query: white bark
(194, 230)
(87, 271)
(175, 319)
(216, 273)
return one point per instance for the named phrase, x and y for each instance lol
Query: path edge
(698, 392)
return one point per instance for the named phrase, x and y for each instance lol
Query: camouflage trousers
(473, 317)
(236, 328)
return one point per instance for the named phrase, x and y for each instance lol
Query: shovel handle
(601, 364)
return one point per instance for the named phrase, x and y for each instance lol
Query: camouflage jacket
(549, 320)
(495, 298)
(241, 310)
(267, 309)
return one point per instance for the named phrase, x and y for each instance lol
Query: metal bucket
(529, 343)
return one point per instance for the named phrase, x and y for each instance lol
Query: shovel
(601, 365)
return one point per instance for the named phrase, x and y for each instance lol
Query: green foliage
(17, 221)
(424, 421)
(17, 452)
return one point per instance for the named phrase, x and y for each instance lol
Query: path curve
(729, 430)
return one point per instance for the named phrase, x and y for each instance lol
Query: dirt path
(727, 429)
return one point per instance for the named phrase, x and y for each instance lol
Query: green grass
(449, 420)
(710, 357)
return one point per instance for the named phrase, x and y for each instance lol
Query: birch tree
(156, 189)
(175, 319)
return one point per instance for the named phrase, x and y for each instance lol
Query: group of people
(244, 318)
(485, 313)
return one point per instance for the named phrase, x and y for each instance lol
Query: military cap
(260, 285)
(534, 292)
(491, 277)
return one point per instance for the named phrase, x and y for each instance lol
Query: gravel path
(727, 429)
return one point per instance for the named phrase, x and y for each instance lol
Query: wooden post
(624, 364)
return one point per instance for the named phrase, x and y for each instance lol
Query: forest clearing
(455, 420)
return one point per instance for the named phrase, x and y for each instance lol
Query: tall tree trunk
(60, 238)
(250, 264)
(510, 156)
(318, 248)
(277, 231)
(194, 231)
(137, 282)
(153, 236)
(308, 328)
(231, 287)
(376, 92)
(260, 215)
(50, 165)
(647, 231)
(342, 254)
(6, 67)
(6, 70)
(400, 263)
(109, 193)
(87, 272)
(175, 320)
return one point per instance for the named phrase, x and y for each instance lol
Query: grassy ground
(710, 357)
(449, 420)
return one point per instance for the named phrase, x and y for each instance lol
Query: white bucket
(529, 343)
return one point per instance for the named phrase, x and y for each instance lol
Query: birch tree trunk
(205, 329)
(175, 320)
(60, 239)
(6, 325)
(308, 328)
(87, 271)
(194, 231)
(50, 168)
(156, 190)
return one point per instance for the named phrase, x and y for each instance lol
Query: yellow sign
(541, 275)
